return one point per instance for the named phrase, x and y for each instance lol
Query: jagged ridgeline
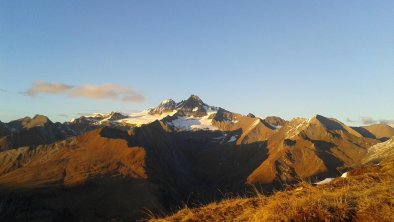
(121, 166)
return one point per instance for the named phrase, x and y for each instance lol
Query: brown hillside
(314, 148)
(85, 177)
(380, 131)
(365, 195)
(251, 129)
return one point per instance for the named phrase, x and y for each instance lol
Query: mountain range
(119, 166)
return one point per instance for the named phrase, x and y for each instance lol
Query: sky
(286, 58)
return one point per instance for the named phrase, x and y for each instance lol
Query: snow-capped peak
(190, 114)
(194, 106)
(95, 115)
(167, 101)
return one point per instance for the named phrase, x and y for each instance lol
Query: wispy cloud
(85, 114)
(45, 87)
(349, 120)
(368, 120)
(62, 115)
(3, 90)
(116, 92)
(107, 91)
(387, 121)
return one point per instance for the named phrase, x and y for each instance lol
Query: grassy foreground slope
(366, 194)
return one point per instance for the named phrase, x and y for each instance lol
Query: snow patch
(329, 179)
(210, 109)
(166, 101)
(255, 123)
(234, 121)
(294, 131)
(232, 139)
(220, 139)
(325, 181)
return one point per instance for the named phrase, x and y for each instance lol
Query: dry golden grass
(366, 195)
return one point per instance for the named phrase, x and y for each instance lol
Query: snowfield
(180, 123)
(194, 123)
(144, 117)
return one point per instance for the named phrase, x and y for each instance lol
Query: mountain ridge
(164, 158)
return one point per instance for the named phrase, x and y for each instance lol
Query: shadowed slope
(31, 132)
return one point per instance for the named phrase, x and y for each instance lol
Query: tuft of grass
(366, 195)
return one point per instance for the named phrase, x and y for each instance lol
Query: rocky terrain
(126, 167)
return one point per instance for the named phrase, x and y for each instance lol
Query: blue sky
(284, 58)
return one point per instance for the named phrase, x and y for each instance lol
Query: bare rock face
(275, 121)
(116, 116)
(193, 106)
(27, 122)
(4, 129)
(380, 151)
(32, 132)
(251, 115)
